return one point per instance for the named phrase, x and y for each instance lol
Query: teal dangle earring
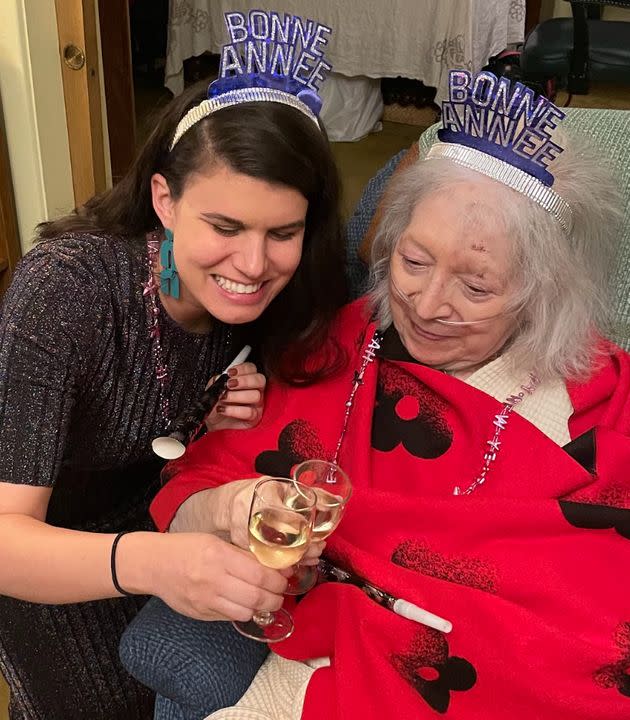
(169, 279)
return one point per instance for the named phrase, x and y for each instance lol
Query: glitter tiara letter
(267, 51)
(503, 119)
(268, 59)
(503, 130)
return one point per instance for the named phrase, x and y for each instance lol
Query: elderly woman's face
(452, 264)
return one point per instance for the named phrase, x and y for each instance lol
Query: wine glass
(332, 488)
(280, 527)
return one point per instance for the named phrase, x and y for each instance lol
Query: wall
(31, 87)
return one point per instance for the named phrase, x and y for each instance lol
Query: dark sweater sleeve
(48, 328)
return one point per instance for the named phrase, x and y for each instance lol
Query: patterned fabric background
(421, 40)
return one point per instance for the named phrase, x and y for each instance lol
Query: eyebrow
(295, 225)
(416, 243)
(485, 274)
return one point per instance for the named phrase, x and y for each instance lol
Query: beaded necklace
(499, 423)
(368, 356)
(150, 289)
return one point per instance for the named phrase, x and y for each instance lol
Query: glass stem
(263, 618)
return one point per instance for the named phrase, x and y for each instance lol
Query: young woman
(102, 345)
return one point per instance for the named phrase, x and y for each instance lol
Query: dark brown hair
(268, 141)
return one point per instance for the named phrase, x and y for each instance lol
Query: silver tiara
(236, 97)
(509, 175)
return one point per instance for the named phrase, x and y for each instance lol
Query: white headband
(236, 97)
(507, 174)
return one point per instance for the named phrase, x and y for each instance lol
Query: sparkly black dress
(79, 406)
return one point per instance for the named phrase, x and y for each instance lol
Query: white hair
(563, 297)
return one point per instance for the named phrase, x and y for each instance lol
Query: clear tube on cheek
(408, 300)
(464, 323)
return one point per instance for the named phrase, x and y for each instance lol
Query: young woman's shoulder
(75, 279)
(57, 316)
(84, 255)
(81, 266)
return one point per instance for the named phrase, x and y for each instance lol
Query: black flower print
(597, 517)
(617, 674)
(461, 569)
(429, 669)
(297, 442)
(407, 413)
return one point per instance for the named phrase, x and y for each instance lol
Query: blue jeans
(195, 667)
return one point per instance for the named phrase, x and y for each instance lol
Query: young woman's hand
(242, 405)
(204, 577)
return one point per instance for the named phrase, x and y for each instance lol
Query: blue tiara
(508, 121)
(268, 59)
(503, 130)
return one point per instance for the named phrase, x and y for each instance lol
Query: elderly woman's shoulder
(353, 317)
(611, 357)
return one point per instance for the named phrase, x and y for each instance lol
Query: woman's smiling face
(237, 242)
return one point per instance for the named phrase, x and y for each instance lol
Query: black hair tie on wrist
(113, 564)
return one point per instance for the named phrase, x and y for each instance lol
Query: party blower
(186, 425)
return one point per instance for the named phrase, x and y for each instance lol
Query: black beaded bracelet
(113, 563)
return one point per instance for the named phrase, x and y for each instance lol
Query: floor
(359, 161)
(4, 700)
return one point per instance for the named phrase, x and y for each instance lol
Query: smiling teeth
(235, 287)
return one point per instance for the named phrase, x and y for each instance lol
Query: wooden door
(118, 77)
(9, 238)
(80, 63)
(80, 23)
(532, 14)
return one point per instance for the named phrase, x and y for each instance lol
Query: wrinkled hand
(206, 578)
(242, 406)
(315, 549)
(235, 500)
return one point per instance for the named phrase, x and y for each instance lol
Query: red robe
(531, 568)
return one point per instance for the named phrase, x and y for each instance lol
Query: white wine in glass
(332, 488)
(278, 538)
(328, 512)
(280, 527)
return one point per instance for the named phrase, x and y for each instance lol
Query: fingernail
(232, 372)
(232, 384)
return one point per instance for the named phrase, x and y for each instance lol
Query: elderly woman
(484, 422)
